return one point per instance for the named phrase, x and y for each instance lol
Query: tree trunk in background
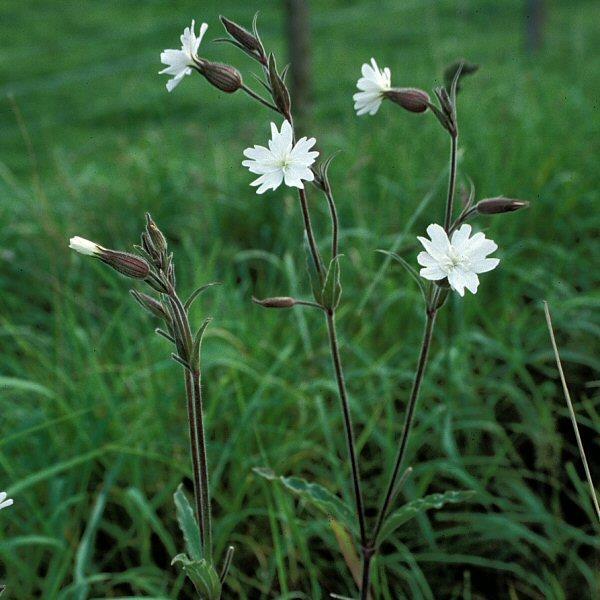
(298, 35)
(535, 16)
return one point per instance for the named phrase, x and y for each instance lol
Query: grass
(93, 435)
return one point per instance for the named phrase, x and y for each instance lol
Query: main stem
(203, 462)
(408, 420)
(341, 382)
(451, 182)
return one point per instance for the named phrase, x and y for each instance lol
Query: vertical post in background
(535, 17)
(298, 35)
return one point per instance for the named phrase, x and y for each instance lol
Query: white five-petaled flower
(180, 62)
(459, 258)
(84, 246)
(4, 502)
(282, 161)
(372, 85)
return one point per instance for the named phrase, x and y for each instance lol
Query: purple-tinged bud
(156, 236)
(224, 77)
(150, 304)
(249, 42)
(411, 99)
(494, 206)
(281, 95)
(127, 264)
(277, 302)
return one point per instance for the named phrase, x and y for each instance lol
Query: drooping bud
(127, 264)
(281, 95)
(224, 77)
(277, 302)
(150, 304)
(494, 206)
(250, 43)
(411, 99)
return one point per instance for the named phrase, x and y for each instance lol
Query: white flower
(4, 503)
(84, 246)
(372, 85)
(282, 160)
(180, 62)
(459, 258)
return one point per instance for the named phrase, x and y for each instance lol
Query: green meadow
(93, 429)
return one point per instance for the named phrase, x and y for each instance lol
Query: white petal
(439, 238)
(433, 273)
(426, 260)
(460, 236)
(484, 265)
(455, 279)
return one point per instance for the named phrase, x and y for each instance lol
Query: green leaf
(197, 292)
(410, 269)
(315, 281)
(202, 575)
(315, 495)
(412, 509)
(198, 341)
(188, 524)
(332, 288)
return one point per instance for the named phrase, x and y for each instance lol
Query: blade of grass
(571, 411)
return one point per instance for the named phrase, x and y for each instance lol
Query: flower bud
(225, 77)
(411, 99)
(250, 42)
(277, 302)
(280, 91)
(127, 264)
(150, 304)
(494, 206)
(159, 241)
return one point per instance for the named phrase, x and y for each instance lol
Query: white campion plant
(459, 258)
(283, 161)
(180, 62)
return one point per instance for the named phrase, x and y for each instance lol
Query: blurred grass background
(93, 436)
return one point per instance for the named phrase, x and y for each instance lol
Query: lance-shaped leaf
(314, 495)
(197, 292)
(198, 341)
(409, 269)
(187, 524)
(203, 576)
(415, 507)
(332, 287)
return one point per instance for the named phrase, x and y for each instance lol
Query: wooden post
(535, 17)
(298, 35)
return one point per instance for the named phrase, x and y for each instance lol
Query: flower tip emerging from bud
(84, 246)
(277, 302)
(494, 206)
(411, 99)
(224, 77)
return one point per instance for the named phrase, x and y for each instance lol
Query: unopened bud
(277, 302)
(150, 304)
(224, 77)
(156, 236)
(127, 264)
(250, 42)
(280, 91)
(411, 99)
(494, 206)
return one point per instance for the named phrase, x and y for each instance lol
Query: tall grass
(93, 443)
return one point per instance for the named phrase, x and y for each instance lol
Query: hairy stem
(259, 98)
(312, 244)
(408, 420)
(203, 461)
(341, 382)
(451, 182)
